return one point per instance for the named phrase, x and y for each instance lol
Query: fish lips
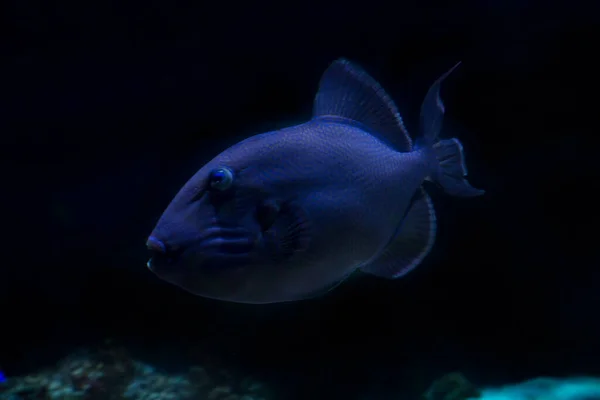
(215, 247)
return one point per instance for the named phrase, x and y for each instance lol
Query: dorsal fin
(346, 91)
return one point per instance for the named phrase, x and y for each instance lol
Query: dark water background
(108, 107)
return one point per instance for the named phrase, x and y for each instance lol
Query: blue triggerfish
(289, 214)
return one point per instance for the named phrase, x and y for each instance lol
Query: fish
(289, 214)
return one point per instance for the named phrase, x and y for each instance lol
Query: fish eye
(220, 178)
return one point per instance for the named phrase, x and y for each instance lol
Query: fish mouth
(161, 261)
(216, 245)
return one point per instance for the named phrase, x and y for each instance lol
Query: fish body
(289, 214)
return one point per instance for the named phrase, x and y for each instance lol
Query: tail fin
(450, 169)
(432, 112)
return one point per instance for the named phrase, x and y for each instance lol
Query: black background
(107, 108)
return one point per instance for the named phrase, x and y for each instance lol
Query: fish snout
(160, 254)
(156, 246)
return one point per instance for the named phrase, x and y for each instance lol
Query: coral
(581, 388)
(452, 386)
(111, 374)
(456, 387)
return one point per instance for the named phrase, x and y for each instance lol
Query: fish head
(229, 225)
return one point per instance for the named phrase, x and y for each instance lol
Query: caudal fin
(450, 174)
(450, 169)
(432, 112)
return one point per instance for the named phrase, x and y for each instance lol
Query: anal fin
(412, 242)
(322, 291)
